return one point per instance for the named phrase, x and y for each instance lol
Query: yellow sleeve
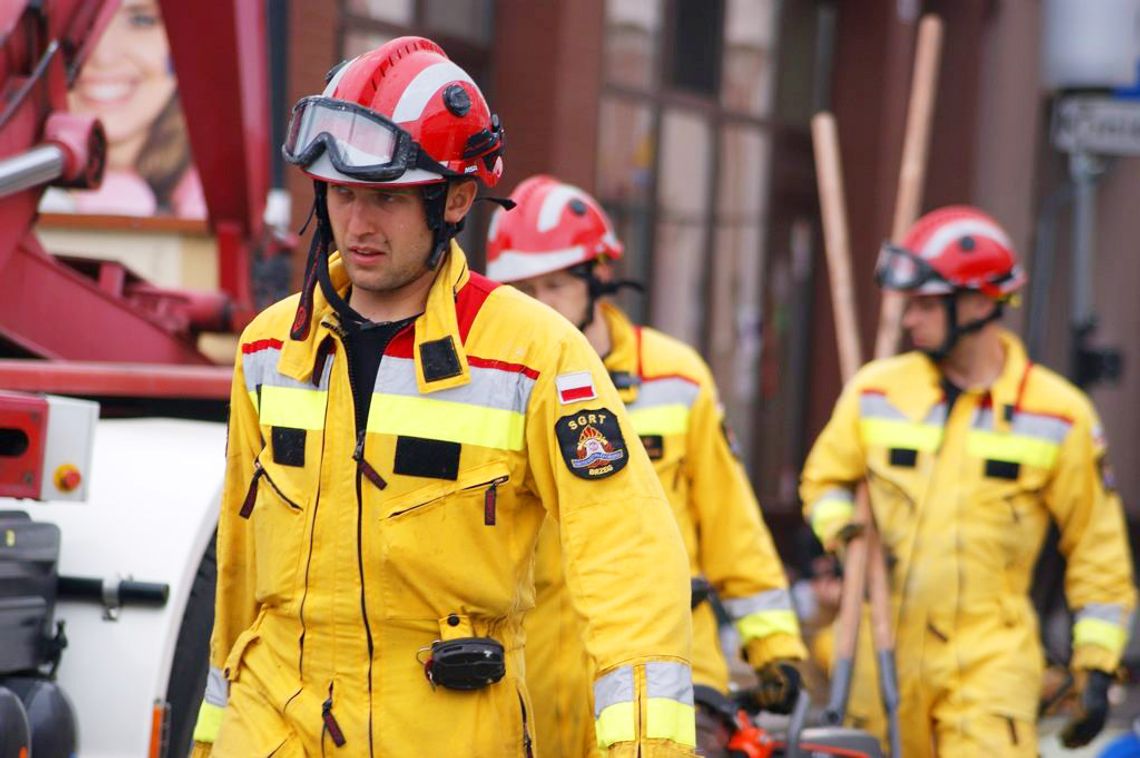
(235, 607)
(1098, 578)
(836, 463)
(625, 563)
(736, 551)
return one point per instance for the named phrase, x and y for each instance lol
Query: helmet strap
(954, 330)
(435, 205)
(597, 289)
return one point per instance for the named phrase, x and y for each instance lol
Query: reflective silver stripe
(771, 600)
(874, 405)
(983, 419)
(669, 680)
(936, 416)
(489, 387)
(260, 368)
(1048, 428)
(1110, 612)
(217, 689)
(613, 688)
(666, 391)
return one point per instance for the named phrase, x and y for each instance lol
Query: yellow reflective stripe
(446, 420)
(762, 624)
(667, 719)
(829, 515)
(1093, 631)
(293, 407)
(209, 722)
(660, 419)
(890, 433)
(1012, 447)
(616, 724)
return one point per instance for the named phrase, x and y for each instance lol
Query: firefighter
(557, 245)
(395, 443)
(969, 450)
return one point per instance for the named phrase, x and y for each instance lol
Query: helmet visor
(360, 143)
(900, 269)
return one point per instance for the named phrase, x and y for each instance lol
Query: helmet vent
(457, 100)
(577, 207)
(967, 244)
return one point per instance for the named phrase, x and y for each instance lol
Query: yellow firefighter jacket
(963, 497)
(341, 560)
(672, 402)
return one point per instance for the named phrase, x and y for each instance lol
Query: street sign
(1097, 125)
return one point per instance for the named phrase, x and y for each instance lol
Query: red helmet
(398, 115)
(554, 226)
(950, 249)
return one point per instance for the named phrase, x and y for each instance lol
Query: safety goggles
(360, 143)
(900, 269)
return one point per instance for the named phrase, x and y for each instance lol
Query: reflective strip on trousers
(669, 713)
(614, 707)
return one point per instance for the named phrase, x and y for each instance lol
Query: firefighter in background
(969, 450)
(556, 245)
(395, 444)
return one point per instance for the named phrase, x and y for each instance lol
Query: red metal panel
(117, 379)
(54, 312)
(23, 431)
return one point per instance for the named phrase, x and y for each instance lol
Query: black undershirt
(365, 342)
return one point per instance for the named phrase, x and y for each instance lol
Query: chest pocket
(276, 505)
(1007, 508)
(456, 546)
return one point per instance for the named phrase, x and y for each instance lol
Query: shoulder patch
(591, 443)
(575, 387)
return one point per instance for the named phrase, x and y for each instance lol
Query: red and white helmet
(554, 226)
(401, 114)
(950, 249)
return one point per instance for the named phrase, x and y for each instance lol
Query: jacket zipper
(528, 750)
(331, 727)
(363, 466)
(251, 494)
(359, 534)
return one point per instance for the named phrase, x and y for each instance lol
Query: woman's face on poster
(127, 79)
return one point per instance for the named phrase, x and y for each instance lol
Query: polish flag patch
(575, 387)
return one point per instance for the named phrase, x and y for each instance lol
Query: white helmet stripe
(552, 205)
(962, 228)
(425, 84)
(512, 265)
(330, 88)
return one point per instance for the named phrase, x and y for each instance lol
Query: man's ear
(603, 270)
(460, 196)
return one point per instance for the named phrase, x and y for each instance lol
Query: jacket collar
(919, 394)
(437, 327)
(623, 362)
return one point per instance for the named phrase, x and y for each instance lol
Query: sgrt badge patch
(591, 443)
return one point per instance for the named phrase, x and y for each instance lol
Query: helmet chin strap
(596, 289)
(955, 331)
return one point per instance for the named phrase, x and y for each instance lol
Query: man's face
(562, 291)
(924, 316)
(382, 235)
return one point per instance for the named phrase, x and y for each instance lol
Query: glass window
(395, 11)
(625, 150)
(697, 30)
(466, 19)
(683, 195)
(633, 30)
(359, 41)
(749, 56)
(737, 268)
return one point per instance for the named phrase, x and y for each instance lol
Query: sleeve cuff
(1094, 657)
(774, 647)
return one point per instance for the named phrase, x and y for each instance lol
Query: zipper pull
(490, 498)
(251, 494)
(365, 467)
(330, 721)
